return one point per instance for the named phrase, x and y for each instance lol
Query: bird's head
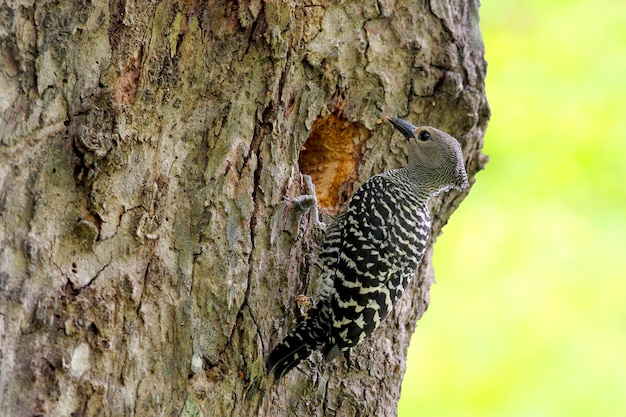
(435, 157)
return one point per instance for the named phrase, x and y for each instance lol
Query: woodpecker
(372, 248)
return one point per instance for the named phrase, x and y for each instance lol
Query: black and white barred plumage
(372, 249)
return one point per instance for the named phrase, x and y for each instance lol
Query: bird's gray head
(435, 158)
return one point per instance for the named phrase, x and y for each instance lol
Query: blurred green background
(528, 316)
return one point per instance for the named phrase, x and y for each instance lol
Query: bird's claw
(308, 201)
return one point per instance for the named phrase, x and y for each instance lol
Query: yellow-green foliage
(528, 317)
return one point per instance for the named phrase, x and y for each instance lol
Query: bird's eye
(423, 136)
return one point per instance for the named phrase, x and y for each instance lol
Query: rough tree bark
(148, 259)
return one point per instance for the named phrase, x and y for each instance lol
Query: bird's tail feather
(299, 343)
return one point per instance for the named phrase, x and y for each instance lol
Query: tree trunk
(148, 259)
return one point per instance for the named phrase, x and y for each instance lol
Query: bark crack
(77, 289)
(444, 23)
(325, 398)
(254, 148)
(145, 284)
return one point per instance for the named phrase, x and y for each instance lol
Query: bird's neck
(415, 182)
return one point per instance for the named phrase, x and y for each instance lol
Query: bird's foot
(309, 202)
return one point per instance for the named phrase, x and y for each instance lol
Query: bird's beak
(406, 128)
